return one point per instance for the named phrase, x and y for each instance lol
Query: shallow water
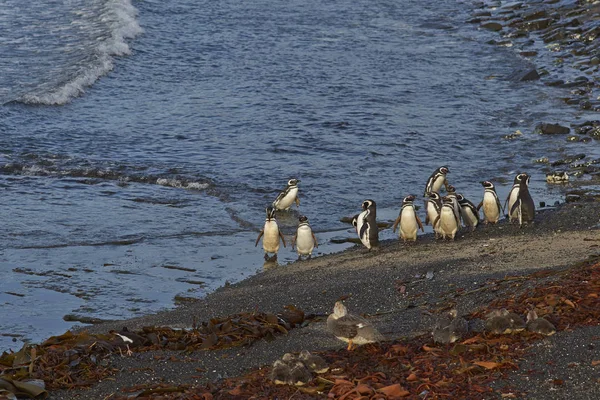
(152, 182)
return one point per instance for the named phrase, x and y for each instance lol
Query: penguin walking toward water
(366, 225)
(408, 220)
(436, 180)
(469, 213)
(523, 207)
(271, 234)
(446, 223)
(491, 204)
(288, 196)
(512, 196)
(304, 239)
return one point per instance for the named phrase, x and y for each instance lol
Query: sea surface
(140, 141)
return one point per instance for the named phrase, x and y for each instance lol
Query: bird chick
(313, 362)
(299, 374)
(280, 374)
(450, 328)
(498, 323)
(539, 325)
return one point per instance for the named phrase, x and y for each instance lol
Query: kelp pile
(76, 360)
(417, 368)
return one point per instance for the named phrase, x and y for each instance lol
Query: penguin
(524, 207)
(512, 196)
(451, 192)
(304, 239)
(491, 204)
(446, 223)
(366, 225)
(408, 220)
(288, 196)
(272, 235)
(433, 204)
(436, 180)
(470, 214)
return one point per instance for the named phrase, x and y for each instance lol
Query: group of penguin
(444, 213)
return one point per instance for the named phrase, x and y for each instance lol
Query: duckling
(313, 362)
(516, 322)
(450, 328)
(539, 325)
(498, 323)
(299, 374)
(280, 374)
(351, 328)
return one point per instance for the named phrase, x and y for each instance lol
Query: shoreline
(558, 239)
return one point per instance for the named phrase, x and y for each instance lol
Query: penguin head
(303, 218)
(433, 195)
(368, 204)
(522, 177)
(408, 199)
(487, 185)
(444, 170)
(451, 189)
(293, 182)
(270, 212)
(447, 200)
(460, 197)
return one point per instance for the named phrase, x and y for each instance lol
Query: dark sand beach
(559, 238)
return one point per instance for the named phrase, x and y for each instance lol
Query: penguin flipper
(262, 231)
(515, 206)
(297, 200)
(427, 219)
(479, 205)
(436, 221)
(293, 240)
(282, 238)
(396, 223)
(499, 205)
(420, 223)
(315, 239)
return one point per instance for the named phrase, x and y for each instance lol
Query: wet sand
(373, 281)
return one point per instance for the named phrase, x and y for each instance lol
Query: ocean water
(140, 141)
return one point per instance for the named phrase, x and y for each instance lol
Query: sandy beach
(391, 285)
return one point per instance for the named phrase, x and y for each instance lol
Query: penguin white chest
(304, 240)
(437, 183)
(363, 229)
(432, 212)
(271, 237)
(448, 224)
(286, 201)
(408, 224)
(490, 207)
(512, 199)
(469, 216)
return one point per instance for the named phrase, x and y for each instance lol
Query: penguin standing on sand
(304, 239)
(436, 180)
(491, 204)
(512, 196)
(447, 224)
(288, 196)
(524, 207)
(272, 234)
(408, 219)
(470, 214)
(433, 205)
(366, 225)
(451, 190)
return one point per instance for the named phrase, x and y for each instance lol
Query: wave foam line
(120, 16)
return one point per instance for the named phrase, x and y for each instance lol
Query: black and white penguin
(366, 225)
(469, 213)
(288, 196)
(451, 192)
(304, 239)
(408, 220)
(433, 205)
(524, 207)
(271, 233)
(446, 224)
(491, 203)
(512, 196)
(436, 180)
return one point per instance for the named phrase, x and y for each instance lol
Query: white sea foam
(118, 18)
(176, 183)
